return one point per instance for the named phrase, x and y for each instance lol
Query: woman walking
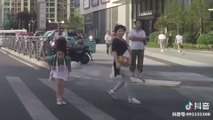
(122, 60)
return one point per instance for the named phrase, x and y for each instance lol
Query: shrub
(153, 37)
(189, 37)
(198, 46)
(205, 39)
(153, 44)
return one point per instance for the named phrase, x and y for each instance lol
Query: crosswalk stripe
(36, 109)
(177, 60)
(88, 109)
(151, 62)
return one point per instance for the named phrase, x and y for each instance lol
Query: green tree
(23, 19)
(9, 21)
(175, 15)
(75, 22)
(33, 20)
(199, 16)
(161, 23)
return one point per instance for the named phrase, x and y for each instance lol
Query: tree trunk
(178, 29)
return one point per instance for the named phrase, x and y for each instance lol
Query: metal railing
(35, 47)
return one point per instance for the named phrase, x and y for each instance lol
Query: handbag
(124, 60)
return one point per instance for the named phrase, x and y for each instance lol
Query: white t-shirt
(161, 37)
(137, 45)
(179, 39)
(108, 38)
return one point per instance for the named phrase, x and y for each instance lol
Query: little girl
(60, 67)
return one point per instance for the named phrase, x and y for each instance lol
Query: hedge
(185, 46)
(205, 39)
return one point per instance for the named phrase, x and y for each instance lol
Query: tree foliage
(193, 20)
(9, 22)
(23, 19)
(75, 22)
(198, 15)
(174, 16)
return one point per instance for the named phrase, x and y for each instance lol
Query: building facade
(56, 10)
(16, 6)
(102, 15)
(59, 10)
(149, 10)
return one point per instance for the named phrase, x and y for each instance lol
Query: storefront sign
(146, 13)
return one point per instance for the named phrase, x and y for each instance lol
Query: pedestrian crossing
(85, 107)
(38, 109)
(33, 105)
(177, 60)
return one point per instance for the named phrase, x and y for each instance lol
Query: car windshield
(39, 33)
(48, 34)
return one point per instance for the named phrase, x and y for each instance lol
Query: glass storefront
(147, 11)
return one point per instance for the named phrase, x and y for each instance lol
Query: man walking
(137, 36)
(108, 39)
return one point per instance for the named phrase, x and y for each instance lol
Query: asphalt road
(26, 94)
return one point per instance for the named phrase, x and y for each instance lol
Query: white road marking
(152, 82)
(177, 60)
(23, 62)
(85, 107)
(3, 52)
(36, 109)
(20, 60)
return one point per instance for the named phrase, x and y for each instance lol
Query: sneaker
(113, 94)
(161, 50)
(63, 102)
(140, 76)
(134, 101)
(58, 102)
